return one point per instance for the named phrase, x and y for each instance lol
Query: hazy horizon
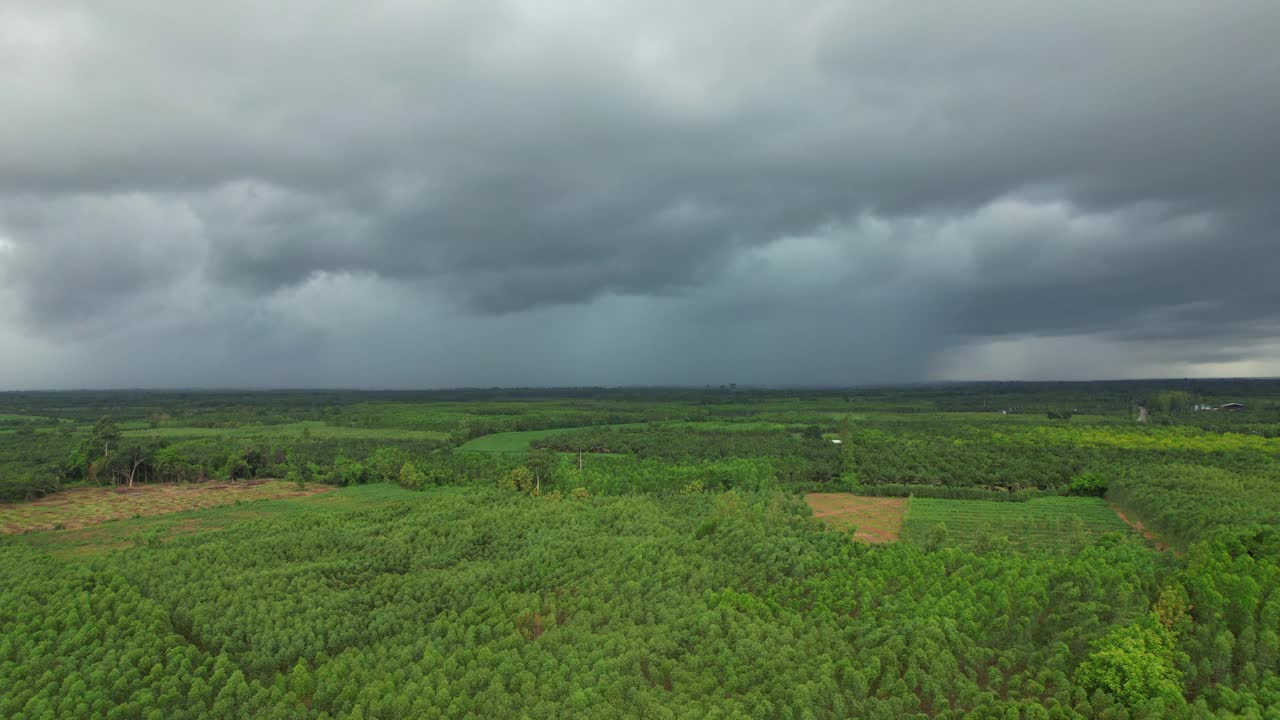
(624, 387)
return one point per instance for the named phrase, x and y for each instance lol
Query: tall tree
(106, 434)
(542, 463)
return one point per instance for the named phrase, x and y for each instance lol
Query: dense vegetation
(628, 553)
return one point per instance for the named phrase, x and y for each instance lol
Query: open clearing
(1042, 523)
(84, 507)
(95, 540)
(876, 519)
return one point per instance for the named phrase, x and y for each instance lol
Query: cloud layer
(476, 193)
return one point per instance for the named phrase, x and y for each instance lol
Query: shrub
(411, 478)
(1089, 483)
(518, 478)
(386, 464)
(349, 472)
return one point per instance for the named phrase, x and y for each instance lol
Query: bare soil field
(876, 519)
(83, 507)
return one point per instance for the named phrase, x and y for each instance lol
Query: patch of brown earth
(84, 507)
(1143, 530)
(875, 519)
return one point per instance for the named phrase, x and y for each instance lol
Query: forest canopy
(605, 553)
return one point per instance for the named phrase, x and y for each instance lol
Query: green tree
(105, 435)
(542, 463)
(171, 465)
(235, 467)
(1133, 663)
(411, 477)
(936, 537)
(348, 471)
(518, 478)
(385, 464)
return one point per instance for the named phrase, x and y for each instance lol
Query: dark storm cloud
(806, 191)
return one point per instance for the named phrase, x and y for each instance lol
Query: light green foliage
(460, 602)
(1134, 663)
(520, 479)
(411, 478)
(1089, 483)
(385, 463)
(348, 471)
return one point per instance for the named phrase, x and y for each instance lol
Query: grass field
(1043, 523)
(874, 519)
(85, 507)
(717, 426)
(512, 442)
(90, 541)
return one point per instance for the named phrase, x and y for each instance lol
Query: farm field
(150, 530)
(84, 507)
(874, 519)
(675, 553)
(507, 442)
(520, 441)
(1042, 524)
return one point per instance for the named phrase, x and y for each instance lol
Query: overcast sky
(431, 194)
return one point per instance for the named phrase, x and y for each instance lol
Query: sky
(407, 194)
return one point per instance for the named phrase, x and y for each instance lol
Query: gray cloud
(807, 192)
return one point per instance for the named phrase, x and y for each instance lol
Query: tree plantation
(607, 553)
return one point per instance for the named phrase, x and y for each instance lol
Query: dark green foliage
(944, 492)
(236, 468)
(1042, 455)
(1188, 503)
(27, 487)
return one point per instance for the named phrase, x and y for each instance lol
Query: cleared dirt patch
(84, 507)
(876, 519)
(1143, 530)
